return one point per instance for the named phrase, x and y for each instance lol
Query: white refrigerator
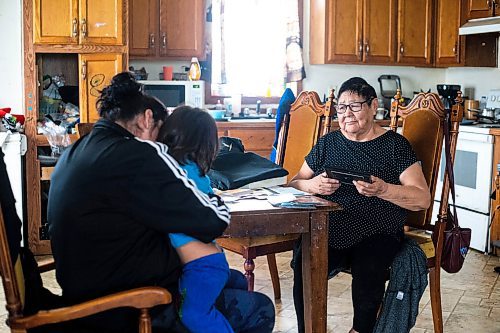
(14, 147)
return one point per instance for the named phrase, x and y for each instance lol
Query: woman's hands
(374, 189)
(322, 184)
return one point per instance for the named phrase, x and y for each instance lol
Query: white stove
(473, 179)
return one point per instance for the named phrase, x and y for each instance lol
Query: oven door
(472, 169)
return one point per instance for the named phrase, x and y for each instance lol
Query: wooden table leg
(314, 267)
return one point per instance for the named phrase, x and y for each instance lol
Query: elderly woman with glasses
(366, 235)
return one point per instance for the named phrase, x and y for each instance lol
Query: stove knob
(493, 98)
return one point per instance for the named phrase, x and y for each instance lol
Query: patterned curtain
(294, 60)
(218, 43)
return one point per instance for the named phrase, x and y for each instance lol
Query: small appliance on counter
(389, 84)
(448, 93)
(175, 93)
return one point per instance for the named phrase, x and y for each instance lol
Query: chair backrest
(308, 120)
(422, 124)
(84, 128)
(10, 279)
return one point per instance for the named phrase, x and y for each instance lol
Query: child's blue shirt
(203, 184)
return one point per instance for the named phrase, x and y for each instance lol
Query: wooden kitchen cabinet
(415, 32)
(347, 31)
(84, 22)
(449, 46)
(56, 21)
(256, 136)
(143, 27)
(86, 42)
(482, 8)
(167, 28)
(96, 73)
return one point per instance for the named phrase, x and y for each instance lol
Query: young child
(191, 137)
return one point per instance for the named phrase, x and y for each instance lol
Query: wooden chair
(422, 124)
(13, 285)
(307, 120)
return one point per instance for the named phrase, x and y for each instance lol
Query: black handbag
(456, 241)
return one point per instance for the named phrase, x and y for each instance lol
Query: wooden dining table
(257, 218)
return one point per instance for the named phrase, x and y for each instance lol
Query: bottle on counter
(194, 70)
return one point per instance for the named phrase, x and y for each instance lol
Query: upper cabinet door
(379, 31)
(414, 32)
(181, 28)
(143, 31)
(448, 42)
(56, 21)
(96, 71)
(101, 22)
(344, 42)
(481, 8)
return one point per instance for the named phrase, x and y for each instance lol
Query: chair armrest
(139, 298)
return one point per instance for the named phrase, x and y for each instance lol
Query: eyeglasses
(355, 107)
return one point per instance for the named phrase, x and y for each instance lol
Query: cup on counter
(236, 101)
(381, 113)
(168, 73)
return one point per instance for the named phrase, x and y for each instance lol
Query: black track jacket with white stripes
(113, 200)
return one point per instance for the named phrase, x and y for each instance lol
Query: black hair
(191, 135)
(360, 87)
(123, 99)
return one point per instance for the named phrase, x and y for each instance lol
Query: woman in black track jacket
(115, 195)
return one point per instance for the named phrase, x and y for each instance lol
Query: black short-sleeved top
(385, 157)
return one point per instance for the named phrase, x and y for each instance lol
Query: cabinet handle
(84, 70)
(455, 47)
(164, 40)
(488, 3)
(360, 50)
(75, 27)
(367, 48)
(152, 41)
(401, 48)
(84, 27)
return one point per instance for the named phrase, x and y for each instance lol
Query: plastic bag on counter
(57, 136)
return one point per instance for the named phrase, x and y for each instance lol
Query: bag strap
(449, 166)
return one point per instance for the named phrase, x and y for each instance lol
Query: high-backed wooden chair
(422, 124)
(13, 286)
(307, 120)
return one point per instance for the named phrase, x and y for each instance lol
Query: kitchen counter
(243, 120)
(480, 129)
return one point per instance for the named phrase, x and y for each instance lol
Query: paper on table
(286, 190)
(279, 198)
